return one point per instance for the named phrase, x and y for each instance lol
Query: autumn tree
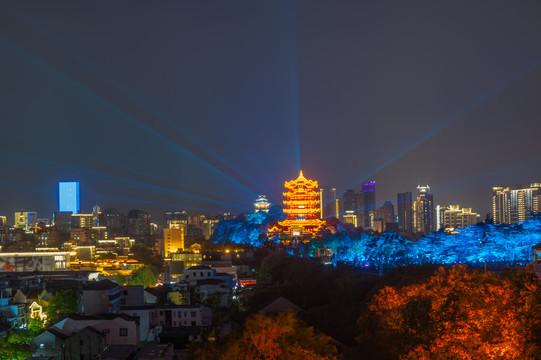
(457, 314)
(272, 338)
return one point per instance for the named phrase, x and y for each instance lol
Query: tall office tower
(138, 224)
(405, 214)
(25, 220)
(3, 221)
(114, 221)
(424, 221)
(369, 199)
(68, 196)
(262, 204)
(62, 221)
(511, 205)
(452, 217)
(329, 203)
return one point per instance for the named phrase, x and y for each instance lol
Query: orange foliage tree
(459, 314)
(273, 337)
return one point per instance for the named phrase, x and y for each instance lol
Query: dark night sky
(204, 104)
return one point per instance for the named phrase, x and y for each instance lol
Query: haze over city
(205, 105)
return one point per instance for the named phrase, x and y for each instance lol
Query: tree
(145, 255)
(144, 276)
(61, 303)
(457, 314)
(272, 337)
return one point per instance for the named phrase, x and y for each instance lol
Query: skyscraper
(424, 221)
(405, 215)
(511, 205)
(68, 196)
(329, 202)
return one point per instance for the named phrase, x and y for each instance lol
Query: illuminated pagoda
(302, 202)
(262, 204)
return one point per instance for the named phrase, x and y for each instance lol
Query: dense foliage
(247, 229)
(61, 303)
(457, 314)
(492, 243)
(17, 343)
(281, 336)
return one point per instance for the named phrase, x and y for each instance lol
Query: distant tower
(423, 211)
(68, 196)
(96, 211)
(302, 209)
(262, 204)
(328, 202)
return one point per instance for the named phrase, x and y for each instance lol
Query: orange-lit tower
(302, 202)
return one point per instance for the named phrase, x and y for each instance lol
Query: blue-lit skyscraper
(68, 196)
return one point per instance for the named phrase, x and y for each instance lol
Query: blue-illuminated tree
(247, 228)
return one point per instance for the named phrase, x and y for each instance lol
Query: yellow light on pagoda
(302, 208)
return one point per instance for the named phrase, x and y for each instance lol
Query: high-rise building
(25, 220)
(452, 217)
(405, 213)
(369, 203)
(85, 221)
(62, 221)
(139, 224)
(511, 205)
(329, 203)
(353, 201)
(68, 196)
(350, 218)
(384, 216)
(262, 204)
(96, 212)
(176, 217)
(114, 221)
(173, 240)
(208, 227)
(424, 221)
(3, 221)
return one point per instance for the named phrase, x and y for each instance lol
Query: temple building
(262, 204)
(302, 209)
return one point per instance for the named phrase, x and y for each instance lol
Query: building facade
(68, 196)
(511, 205)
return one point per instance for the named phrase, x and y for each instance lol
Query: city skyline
(191, 108)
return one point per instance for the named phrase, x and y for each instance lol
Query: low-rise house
(154, 317)
(112, 329)
(85, 344)
(206, 288)
(99, 297)
(133, 295)
(194, 273)
(11, 313)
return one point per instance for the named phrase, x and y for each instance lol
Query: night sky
(205, 104)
